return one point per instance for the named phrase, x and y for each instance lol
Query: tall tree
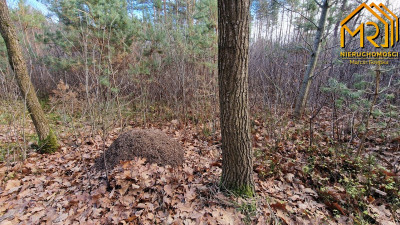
(233, 47)
(309, 75)
(47, 139)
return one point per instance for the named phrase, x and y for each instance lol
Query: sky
(39, 6)
(43, 8)
(35, 4)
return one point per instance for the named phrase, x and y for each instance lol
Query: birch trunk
(309, 75)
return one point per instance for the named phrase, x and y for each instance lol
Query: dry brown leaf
(190, 194)
(12, 184)
(370, 199)
(279, 205)
(283, 216)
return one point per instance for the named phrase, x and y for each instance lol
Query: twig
(297, 13)
(377, 78)
(379, 191)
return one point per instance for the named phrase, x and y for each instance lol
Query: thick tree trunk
(233, 47)
(18, 65)
(309, 75)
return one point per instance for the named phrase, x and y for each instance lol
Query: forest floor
(295, 183)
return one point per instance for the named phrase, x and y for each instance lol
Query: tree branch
(296, 12)
(319, 4)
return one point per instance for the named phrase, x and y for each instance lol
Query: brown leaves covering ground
(62, 189)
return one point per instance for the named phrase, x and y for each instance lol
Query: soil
(152, 144)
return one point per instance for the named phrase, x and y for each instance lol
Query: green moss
(244, 191)
(44, 101)
(50, 144)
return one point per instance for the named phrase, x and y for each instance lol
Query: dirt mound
(154, 145)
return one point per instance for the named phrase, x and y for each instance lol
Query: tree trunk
(281, 41)
(309, 75)
(233, 47)
(336, 37)
(337, 24)
(165, 11)
(47, 140)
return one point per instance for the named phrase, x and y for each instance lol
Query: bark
(165, 10)
(233, 47)
(337, 24)
(309, 75)
(281, 41)
(18, 65)
(336, 37)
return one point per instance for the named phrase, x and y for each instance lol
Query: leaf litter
(62, 189)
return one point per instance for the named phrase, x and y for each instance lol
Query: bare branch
(319, 4)
(290, 10)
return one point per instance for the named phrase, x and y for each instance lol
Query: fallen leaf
(279, 205)
(12, 184)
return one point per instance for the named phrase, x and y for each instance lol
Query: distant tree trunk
(309, 75)
(337, 24)
(281, 41)
(47, 140)
(165, 11)
(336, 38)
(233, 47)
